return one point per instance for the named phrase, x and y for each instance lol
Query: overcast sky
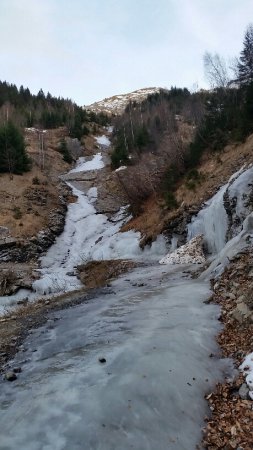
(87, 50)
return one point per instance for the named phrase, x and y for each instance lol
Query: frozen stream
(151, 327)
(156, 340)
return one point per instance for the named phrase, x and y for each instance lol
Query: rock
(17, 370)
(241, 312)
(4, 231)
(244, 392)
(22, 302)
(241, 299)
(10, 376)
(231, 296)
(102, 360)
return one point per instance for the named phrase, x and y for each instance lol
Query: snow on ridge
(118, 103)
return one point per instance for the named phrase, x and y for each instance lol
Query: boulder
(10, 376)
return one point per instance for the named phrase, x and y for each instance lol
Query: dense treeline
(19, 109)
(144, 126)
(44, 110)
(228, 118)
(13, 157)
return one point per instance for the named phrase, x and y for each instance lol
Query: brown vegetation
(96, 274)
(215, 170)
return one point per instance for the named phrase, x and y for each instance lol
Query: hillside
(116, 104)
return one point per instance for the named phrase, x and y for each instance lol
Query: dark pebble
(102, 360)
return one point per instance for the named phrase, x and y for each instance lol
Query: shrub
(17, 214)
(170, 200)
(35, 180)
(63, 149)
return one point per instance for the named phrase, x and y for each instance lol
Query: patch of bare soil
(150, 221)
(230, 426)
(96, 274)
(27, 199)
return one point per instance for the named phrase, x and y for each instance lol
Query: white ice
(83, 165)
(211, 222)
(103, 140)
(121, 168)
(87, 236)
(247, 368)
(240, 190)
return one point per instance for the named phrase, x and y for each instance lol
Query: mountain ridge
(117, 103)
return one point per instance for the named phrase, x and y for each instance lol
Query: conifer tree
(245, 64)
(13, 156)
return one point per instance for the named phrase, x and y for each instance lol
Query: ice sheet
(148, 395)
(83, 165)
(247, 368)
(103, 140)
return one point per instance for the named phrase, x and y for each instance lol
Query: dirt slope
(215, 170)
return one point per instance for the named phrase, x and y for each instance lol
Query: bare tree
(216, 70)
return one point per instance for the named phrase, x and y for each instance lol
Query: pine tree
(13, 156)
(245, 65)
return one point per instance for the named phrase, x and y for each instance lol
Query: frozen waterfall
(213, 221)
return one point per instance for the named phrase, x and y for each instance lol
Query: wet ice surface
(103, 140)
(156, 340)
(87, 236)
(211, 222)
(84, 165)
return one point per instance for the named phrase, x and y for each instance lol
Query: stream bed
(129, 368)
(155, 335)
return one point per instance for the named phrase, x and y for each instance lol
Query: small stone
(231, 296)
(102, 360)
(243, 391)
(17, 370)
(10, 376)
(241, 299)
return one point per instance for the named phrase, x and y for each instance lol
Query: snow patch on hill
(118, 103)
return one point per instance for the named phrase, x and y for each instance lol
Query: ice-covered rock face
(224, 214)
(190, 253)
(247, 368)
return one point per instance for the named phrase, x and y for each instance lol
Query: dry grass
(32, 215)
(96, 274)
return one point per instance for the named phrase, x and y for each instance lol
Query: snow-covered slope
(118, 103)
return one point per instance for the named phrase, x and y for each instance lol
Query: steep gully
(129, 368)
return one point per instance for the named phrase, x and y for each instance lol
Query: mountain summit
(117, 103)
